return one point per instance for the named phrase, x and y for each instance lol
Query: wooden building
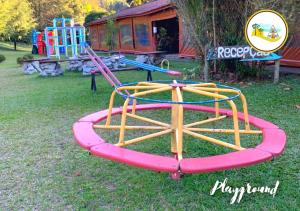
(139, 29)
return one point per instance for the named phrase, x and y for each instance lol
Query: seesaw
(150, 68)
(176, 164)
(111, 78)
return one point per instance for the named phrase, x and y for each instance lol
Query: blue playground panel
(65, 37)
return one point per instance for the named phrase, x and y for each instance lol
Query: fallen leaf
(77, 174)
(298, 106)
(283, 84)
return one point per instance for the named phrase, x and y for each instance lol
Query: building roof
(144, 9)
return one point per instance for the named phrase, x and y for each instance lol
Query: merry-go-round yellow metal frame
(176, 128)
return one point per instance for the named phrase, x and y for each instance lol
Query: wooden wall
(141, 42)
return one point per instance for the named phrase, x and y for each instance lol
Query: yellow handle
(162, 63)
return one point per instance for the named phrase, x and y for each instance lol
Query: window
(93, 35)
(106, 39)
(102, 33)
(142, 34)
(126, 34)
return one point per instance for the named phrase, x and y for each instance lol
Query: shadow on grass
(9, 47)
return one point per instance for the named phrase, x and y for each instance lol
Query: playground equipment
(272, 145)
(34, 41)
(149, 67)
(111, 78)
(65, 36)
(38, 42)
(163, 62)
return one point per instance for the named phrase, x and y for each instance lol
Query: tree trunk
(205, 68)
(15, 44)
(214, 32)
(276, 71)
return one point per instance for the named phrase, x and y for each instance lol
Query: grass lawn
(43, 168)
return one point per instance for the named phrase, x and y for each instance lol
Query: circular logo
(266, 31)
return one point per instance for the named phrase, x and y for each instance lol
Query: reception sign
(235, 52)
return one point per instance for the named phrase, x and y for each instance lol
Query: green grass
(43, 168)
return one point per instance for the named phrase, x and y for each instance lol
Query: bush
(20, 60)
(191, 73)
(2, 58)
(93, 16)
(27, 57)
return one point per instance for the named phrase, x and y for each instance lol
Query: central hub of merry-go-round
(272, 144)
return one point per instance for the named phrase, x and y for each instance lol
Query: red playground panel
(137, 159)
(231, 160)
(85, 135)
(273, 142)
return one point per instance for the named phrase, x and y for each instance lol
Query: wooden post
(276, 71)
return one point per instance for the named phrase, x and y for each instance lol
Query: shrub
(2, 58)
(191, 73)
(27, 56)
(20, 60)
(93, 16)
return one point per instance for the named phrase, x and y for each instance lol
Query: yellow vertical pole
(245, 109)
(174, 122)
(134, 103)
(123, 122)
(217, 106)
(179, 124)
(235, 123)
(111, 104)
(216, 103)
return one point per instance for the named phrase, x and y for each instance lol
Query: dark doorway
(167, 35)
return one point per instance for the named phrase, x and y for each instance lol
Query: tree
(110, 34)
(288, 8)
(46, 10)
(223, 22)
(137, 2)
(4, 15)
(20, 20)
(195, 14)
(77, 9)
(214, 31)
(255, 27)
(113, 6)
(93, 16)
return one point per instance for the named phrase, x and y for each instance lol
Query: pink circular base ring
(272, 145)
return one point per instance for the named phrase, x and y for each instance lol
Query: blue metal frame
(148, 67)
(65, 30)
(172, 102)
